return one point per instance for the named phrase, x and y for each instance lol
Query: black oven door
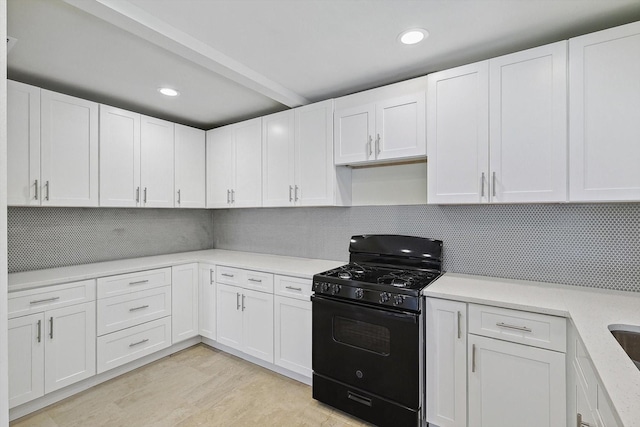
(370, 348)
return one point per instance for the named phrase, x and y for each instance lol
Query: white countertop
(288, 266)
(591, 310)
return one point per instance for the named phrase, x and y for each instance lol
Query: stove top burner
(393, 277)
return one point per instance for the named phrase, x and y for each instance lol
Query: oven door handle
(360, 399)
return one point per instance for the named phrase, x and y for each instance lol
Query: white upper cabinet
(605, 112)
(354, 129)
(458, 134)
(497, 129)
(69, 150)
(190, 163)
(156, 162)
(297, 162)
(23, 144)
(119, 157)
(234, 165)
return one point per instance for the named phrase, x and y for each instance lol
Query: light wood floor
(199, 386)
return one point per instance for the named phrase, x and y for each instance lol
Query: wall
(595, 245)
(54, 237)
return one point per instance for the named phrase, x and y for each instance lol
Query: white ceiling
(236, 59)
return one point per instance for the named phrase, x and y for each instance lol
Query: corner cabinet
(207, 301)
(184, 302)
(497, 129)
(156, 162)
(190, 163)
(605, 112)
(234, 165)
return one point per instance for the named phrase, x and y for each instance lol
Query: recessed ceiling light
(168, 91)
(413, 36)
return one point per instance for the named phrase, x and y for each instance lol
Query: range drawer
(294, 287)
(247, 279)
(38, 300)
(124, 311)
(133, 282)
(130, 344)
(534, 329)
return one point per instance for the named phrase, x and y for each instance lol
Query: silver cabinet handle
(139, 308)
(237, 301)
(482, 185)
(378, 149)
(459, 325)
(517, 328)
(228, 196)
(36, 195)
(296, 193)
(369, 147)
(226, 275)
(473, 358)
(255, 280)
(582, 423)
(493, 184)
(294, 289)
(211, 276)
(38, 301)
(51, 327)
(46, 185)
(133, 344)
(178, 196)
(139, 282)
(145, 195)
(290, 196)
(233, 195)
(137, 194)
(242, 302)
(39, 330)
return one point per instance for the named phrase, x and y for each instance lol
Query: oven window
(362, 335)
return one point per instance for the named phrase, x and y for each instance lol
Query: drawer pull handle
(139, 282)
(473, 358)
(357, 398)
(294, 289)
(211, 276)
(237, 301)
(459, 325)
(44, 300)
(39, 330)
(255, 280)
(227, 275)
(138, 308)
(51, 327)
(139, 342)
(517, 328)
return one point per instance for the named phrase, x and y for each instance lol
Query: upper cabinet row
(500, 131)
(56, 160)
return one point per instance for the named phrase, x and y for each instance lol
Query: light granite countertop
(288, 266)
(591, 310)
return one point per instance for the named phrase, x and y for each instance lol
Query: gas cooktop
(394, 277)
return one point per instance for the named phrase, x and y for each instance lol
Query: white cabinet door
(70, 353)
(184, 302)
(400, 127)
(257, 324)
(229, 315)
(69, 150)
(515, 385)
(315, 172)
(156, 162)
(189, 167)
(458, 135)
(604, 114)
(26, 358)
(292, 327)
(207, 301)
(220, 168)
(528, 125)
(353, 134)
(119, 157)
(278, 158)
(581, 413)
(446, 354)
(247, 188)
(23, 144)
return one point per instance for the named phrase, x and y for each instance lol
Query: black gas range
(367, 328)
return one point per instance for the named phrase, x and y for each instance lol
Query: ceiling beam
(137, 21)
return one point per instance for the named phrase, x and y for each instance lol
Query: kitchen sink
(628, 336)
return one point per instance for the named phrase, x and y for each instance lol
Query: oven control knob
(398, 300)
(384, 296)
(359, 293)
(335, 288)
(325, 287)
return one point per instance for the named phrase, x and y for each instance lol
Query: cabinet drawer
(538, 330)
(133, 282)
(124, 311)
(37, 300)
(259, 281)
(229, 275)
(130, 344)
(294, 287)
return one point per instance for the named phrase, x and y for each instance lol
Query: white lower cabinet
(207, 301)
(184, 302)
(52, 339)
